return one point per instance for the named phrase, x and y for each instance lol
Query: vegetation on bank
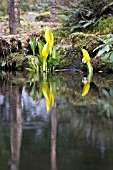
(83, 24)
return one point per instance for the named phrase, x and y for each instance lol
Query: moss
(72, 56)
(43, 16)
(82, 40)
(105, 26)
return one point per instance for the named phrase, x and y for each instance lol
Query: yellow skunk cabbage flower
(86, 55)
(48, 46)
(47, 34)
(51, 43)
(49, 38)
(45, 53)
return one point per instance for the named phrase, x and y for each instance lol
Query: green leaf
(111, 57)
(106, 56)
(75, 27)
(111, 92)
(107, 110)
(106, 93)
(100, 104)
(32, 43)
(111, 39)
(29, 69)
(53, 61)
(101, 39)
(87, 24)
(54, 53)
(40, 46)
(104, 49)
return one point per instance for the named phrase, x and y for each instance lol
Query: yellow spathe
(47, 34)
(45, 51)
(49, 38)
(86, 55)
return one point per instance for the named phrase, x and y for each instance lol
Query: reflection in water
(47, 90)
(106, 106)
(11, 110)
(86, 87)
(16, 129)
(60, 139)
(53, 137)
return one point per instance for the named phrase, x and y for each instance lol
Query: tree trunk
(12, 24)
(14, 15)
(53, 10)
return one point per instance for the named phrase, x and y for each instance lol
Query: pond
(73, 131)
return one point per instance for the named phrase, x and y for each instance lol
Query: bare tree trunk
(53, 10)
(12, 24)
(14, 15)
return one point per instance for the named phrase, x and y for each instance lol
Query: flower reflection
(86, 87)
(48, 94)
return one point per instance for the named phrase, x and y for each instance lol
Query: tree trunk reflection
(53, 137)
(16, 129)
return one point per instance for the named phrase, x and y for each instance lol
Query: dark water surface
(76, 134)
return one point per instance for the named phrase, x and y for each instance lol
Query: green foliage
(40, 46)
(34, 65)
(78, 16)
(83, 14)
(108, 6)
(40, 6)
(106, 48)
(52, 60)
(46, 60)
(32, 43)
(105, 26)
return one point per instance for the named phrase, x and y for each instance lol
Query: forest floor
(29, 25)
